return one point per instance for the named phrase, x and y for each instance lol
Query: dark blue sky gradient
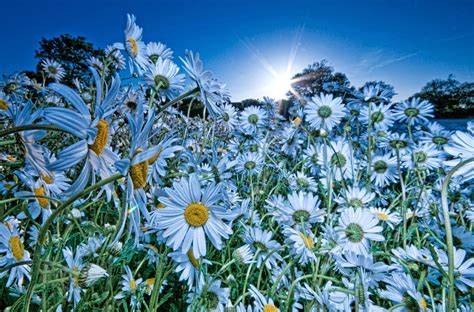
(405, 43)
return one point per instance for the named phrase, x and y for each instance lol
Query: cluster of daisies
(113, 194)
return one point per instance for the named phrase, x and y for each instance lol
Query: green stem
(8, 267)
(449, 234)
(179, 98)
(44, 229)
(283, 272)
(404, 200)
(225, 266)
(29, 127)
(7, 142)
(247, 277)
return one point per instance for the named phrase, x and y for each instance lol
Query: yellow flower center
(43, 202)
(7, 185)
(3, 104)
(48, 179)
(308, 241)
(196, 214)
(382, 216)
(101, 138)
(132, 283)
(269, 308)
(139, 173)
(133, 46)
(297, 120)
(192, 259)
(160, 206)
(17, 247)
(11, 158)
(75, 274)
(153, 247)
(150, 282)
(154, 158)
(423, 304)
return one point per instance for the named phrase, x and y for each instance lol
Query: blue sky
(404, 43)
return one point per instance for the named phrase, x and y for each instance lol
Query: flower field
(115, 197)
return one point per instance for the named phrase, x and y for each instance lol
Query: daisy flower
(375, 93)
(355, 197)
(136, 169)
(339, 159)
(75, 264)
(229, 118)
(384, 170)
(93, 130)
(253, 118)
(212, 93)
(54, 182)
(424, 156)
(412, 253)
(191, 215)
(436, 135)
(4, 103)
(401, 290)
(249, 163)
(262, 303)
(97, 64)
(380, 116)
(190, 267)
(396, 141)
(114, 57)
(303, 210)
(311, 156)
(34, 153)
(301, 182)
(463, 269)
(375, 271)
(413, 111)
(163, 76)
(12, 251)
(156, 50)
(324, 111)
(129, 288)
(461, 148)
(261, 241)
(386, 216)
(41, 205)
(134, 46)
(300, 245)
(132, 101)
(53, 69)
(291, 139)
(357, 228)
(243, 255)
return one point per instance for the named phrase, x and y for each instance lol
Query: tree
(71, 52)
(320, 77)
(451, 98)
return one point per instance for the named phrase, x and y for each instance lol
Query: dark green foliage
(314, 77)
(451, 98)
(71, 52)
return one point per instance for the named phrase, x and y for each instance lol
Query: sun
(279, 86)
